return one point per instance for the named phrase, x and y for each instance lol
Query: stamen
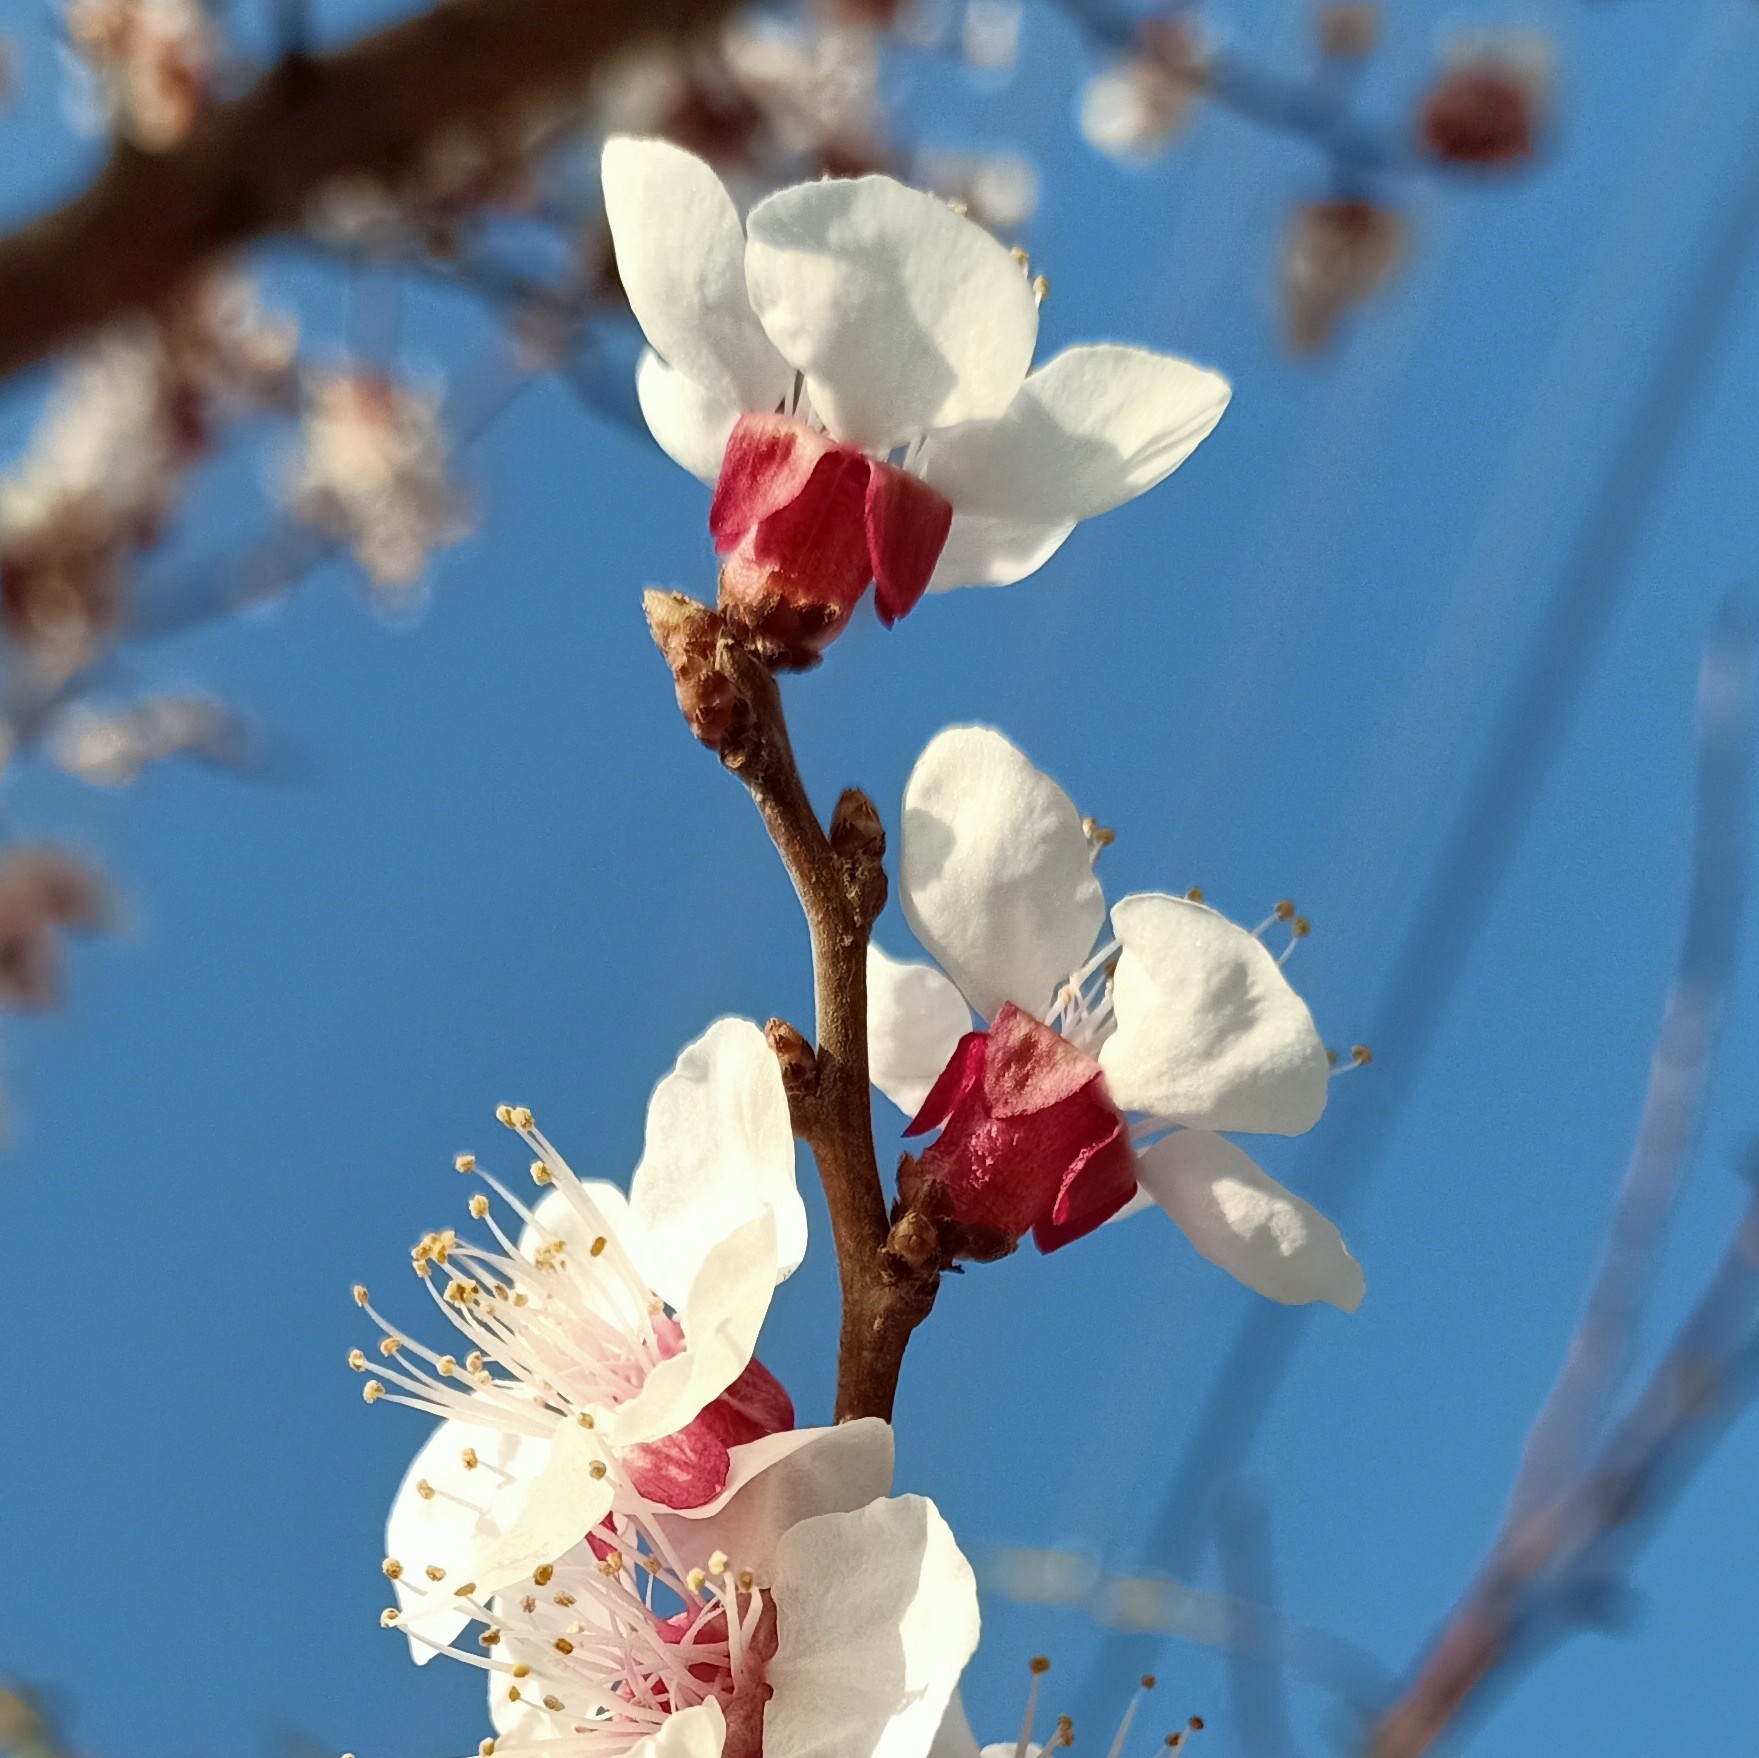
(1040, 1665)
(1360, 1057)
(1135, 1703)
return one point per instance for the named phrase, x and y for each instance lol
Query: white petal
(1209, 1032)
(720, 1151)
(992, 552)
(690, 425)
(776, 1482)
(698, 1732)
(876, 1617)
(681, 259)
(1098, 425)
(995, 872)
(721, 1314)
(564, 1503)
(955, 1738)
(915, 1019)
(1243, 1220)
(902, 315)
(453, 1528)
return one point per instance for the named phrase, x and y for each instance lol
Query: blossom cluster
(617, 1499)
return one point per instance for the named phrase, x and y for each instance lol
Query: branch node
(799, 1064)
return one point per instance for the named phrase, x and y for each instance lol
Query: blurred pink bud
(1335, 255)
(1486, 107)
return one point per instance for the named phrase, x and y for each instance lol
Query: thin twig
(889, 1276)
(252, 166)
(1572, 1528)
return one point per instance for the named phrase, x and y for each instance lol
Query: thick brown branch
(732, 704)
(253, 165)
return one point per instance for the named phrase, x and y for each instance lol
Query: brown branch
(889, 1276)
(252, 165)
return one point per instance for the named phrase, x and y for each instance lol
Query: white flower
(152, 61)
(898, 335)
(839, 1631)
(608, 1359)
(1188, 1018)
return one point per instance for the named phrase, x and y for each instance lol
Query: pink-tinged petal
(915, 1019)
(767, 462)
(755, 1405)
(1243, 1220)
(1030, 1068)
(962, 1077)
(684, 1470)
(902, 315)
(1096, 426)
(995, 872)
(907, 525)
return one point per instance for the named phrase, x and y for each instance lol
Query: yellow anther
(598, 1246)
(1195, 894)
(696, 1580)
(1285, 909)
(1039, 1665)
(584, 1418)
(388, 1346)
(388, 1617)
(513, 1694)
(514, 1116)
(611, 1564)
(448, 1365)
(747, 1580)
(469, 1458)
(544, 1574)
(1018, 253)
(527, 1604)
(564, 1600)
(563, 1645)
(434, 1572)
(361, 1297)
(465, 1163)
(473, 1362)
(424, 1489)
(522, 1671)
(1040, 288)
(717, 1562)
(596, 1469)
(485, 1749)
(479, 1207)
(1300, 927)
(372, 1391)
(466, 1590)
(554, 1704)
(540, 1173)
(1148, 1681)
(1361, 1055)
(393, 1569)
(504, 1114)
(489, 1638)
(357, 1360)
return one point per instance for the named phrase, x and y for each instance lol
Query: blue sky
(486, 863)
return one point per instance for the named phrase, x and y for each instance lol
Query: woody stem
(732, 704)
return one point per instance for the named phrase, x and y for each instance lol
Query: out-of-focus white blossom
(1335, 255)
(998, 190)
(110, 747)
(817, 85)
(152, 62)
(1133, 108)
(990, 34)
(129, 416)
(372, 473)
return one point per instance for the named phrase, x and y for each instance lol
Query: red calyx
(806, 524)
(689, 1468)
(1030, 1140)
